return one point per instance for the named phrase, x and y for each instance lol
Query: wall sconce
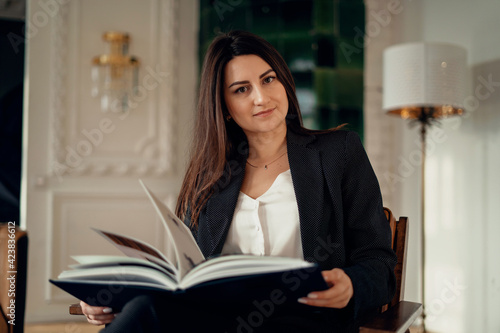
(115, 74)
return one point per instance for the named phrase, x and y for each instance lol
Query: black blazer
(342, 222)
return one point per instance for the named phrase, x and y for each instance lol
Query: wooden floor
(84, 328)
(62, 328)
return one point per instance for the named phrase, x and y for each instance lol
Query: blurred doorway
(11, 110)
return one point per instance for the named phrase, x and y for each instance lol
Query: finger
(333, 280)
(94, 310)
(101, 317)
(338, 290)
(334, 276)
(337, 277)
(337, 296)
(99, 322)
(338, 304)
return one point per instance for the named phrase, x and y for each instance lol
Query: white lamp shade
(424, 75)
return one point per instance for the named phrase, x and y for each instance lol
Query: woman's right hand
(97, 315)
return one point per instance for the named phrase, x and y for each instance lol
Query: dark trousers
(147, 315)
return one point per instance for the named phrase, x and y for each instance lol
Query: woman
(260, 183)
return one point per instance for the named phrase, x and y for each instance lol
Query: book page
(137, 249)
(92, 261)
(187, 252)
(240, 265)
(132, 275)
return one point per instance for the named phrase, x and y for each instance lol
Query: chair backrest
(399, 229)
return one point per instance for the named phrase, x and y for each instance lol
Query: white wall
(466, 235)
(61, 198)
(462, 180)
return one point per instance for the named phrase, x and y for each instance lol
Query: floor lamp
(423, 82)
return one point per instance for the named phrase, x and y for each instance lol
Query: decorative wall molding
(169, 59)
(58, 56)
(69, 227)
(153, 154)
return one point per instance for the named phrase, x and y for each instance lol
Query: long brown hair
(216, 139)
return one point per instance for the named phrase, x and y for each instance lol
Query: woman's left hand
(337, 296)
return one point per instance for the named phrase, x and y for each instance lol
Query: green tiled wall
(317, 38)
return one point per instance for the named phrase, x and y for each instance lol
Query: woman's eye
(269, 79)
(241, 90)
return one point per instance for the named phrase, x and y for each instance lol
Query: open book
(114, 280)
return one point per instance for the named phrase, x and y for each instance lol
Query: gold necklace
(265, 165)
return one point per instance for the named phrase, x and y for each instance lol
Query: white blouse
(268, 225)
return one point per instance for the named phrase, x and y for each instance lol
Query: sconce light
(115, 74)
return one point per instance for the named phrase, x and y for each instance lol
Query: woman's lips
(264, 113)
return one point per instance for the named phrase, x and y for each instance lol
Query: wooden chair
(395, 317)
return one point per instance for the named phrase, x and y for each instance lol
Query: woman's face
(255, 98)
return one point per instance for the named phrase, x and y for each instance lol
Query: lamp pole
(423, 132)
(426, 115)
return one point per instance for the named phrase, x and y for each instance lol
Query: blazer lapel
(307, 178)
(219, 212)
